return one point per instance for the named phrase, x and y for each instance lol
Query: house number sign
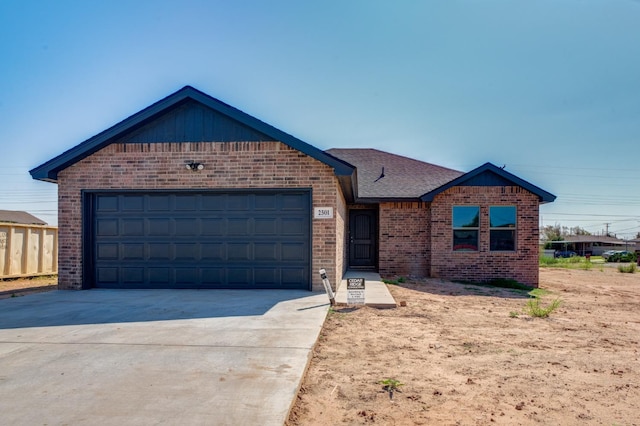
(323, 213)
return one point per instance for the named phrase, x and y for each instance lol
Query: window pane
(502, 239)
(465, 240)
(502, 217)
(466, 216)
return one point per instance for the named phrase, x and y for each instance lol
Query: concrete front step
(376, 292)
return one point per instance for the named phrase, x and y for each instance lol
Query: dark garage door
(257, 239)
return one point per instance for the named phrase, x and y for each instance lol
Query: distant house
(193, 193)
(594, 245)
(11, 216)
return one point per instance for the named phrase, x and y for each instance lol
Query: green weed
(538, 292)
(629, 269)
(587, 265)
(534, 309)
(576, 262)
(391, 386)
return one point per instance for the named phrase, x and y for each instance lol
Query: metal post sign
(355, 291)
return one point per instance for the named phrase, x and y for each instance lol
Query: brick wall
(341, 240)
(404, 239)
(227, 165)
(485, 265)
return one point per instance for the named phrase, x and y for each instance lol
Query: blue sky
(548, 88)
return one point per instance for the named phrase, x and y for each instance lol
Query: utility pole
(607, 229)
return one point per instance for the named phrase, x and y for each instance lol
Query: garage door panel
(187, 251)
(186, 276)
(213, 226)
(243, 239)
(213, 252)
(238, 202)
(107, 203)
(160, 251)
(132, 227)
(186, 203)
(266, 226)
(107, 227)
(159, 276)
(291, 276)
(215, 276)
(239, 277)
(159, 227)
(132, 275)
(265, 251)
(294, 202)
(292, 252)
(214, 202)
(107, 251)
(132, 203)
(132, 251)
(293, 226)
(158, 203)
(265, 202)
(107, 275)
(186, 227)
(238, 226)
(265, 276)
(240, 251)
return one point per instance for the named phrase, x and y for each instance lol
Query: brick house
(193, 193)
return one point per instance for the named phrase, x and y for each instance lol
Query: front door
(363, 237)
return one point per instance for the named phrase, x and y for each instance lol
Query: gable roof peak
(494, 175)
(49, 170)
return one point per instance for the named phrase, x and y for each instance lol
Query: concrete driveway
(208, 357)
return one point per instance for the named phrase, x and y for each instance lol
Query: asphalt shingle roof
(403, 177)
(11, 216)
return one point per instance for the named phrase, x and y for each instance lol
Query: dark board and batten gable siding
(194, 122)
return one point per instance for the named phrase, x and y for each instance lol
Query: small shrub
(534, 309)
(629, 269)
(513, 314)
(391, 386)
(395, 282)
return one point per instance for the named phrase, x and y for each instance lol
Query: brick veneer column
(404, 239)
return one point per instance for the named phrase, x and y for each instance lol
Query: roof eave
(378, 200)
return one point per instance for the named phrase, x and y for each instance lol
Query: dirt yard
(24, 286)
(469, 355)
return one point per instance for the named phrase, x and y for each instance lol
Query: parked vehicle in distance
(622, 256)
(608, 253)
(565, 253)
